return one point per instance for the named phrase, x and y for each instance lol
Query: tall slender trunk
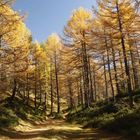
(57, 86)
(81, 92)
(14, 82)
(40, 87)
(27, 89)
(28, 96)
(51, 88)
(91, 82)
(85, 72)
(95, 86)
(35, 86)
(123, 85)
(0, 57)
(109, 68)
(40, 93)
(105, 77)
(138, 57)
(137, 50)
(125, 56)
(115, 67)
(70, 93)
(45, 106)
(13, 90)
(78, 93)
(134, 68)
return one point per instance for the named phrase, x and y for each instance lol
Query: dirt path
(57, 130)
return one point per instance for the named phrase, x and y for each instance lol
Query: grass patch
(114, 117)
(7, 117)
(11, 113)
(56, 115)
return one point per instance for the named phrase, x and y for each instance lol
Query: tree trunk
(105, 77)
(109, 69)
(35, 88)
(134, 68)
(115, 67)
(91, 82)
(81, 92)
(27, 89)
(45, 106)
(57, 86)
(95, 87)
(14, 90)
(125, 56)
(78, 93)
(85, 72)
(51, 88)
(70, 93)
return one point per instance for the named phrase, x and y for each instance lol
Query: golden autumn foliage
(96, 59)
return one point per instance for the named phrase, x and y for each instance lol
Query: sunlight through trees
(97, 58)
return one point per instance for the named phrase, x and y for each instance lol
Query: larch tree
(76, 31)
(53, 46)
(118, 16)
(14, 43)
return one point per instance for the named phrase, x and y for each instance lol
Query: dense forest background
(93, 70)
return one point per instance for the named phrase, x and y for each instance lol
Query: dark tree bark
(124, 55)
(134, 68)
(70, 93)
(13, 90)
(81, 92)
(115, 67)
(109, 68)
(91, 82)
(35, 86)
(105, 77)
(51, 88)
(85, 72)
(57, 86)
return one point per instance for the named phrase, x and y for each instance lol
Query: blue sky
(49, 16)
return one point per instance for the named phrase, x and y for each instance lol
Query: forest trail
(57, 130)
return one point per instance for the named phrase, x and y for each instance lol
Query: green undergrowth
(114, 117)
(57, 116)
(12, 113)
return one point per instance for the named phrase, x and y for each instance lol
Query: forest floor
(55, 130)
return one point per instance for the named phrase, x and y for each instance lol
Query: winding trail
(57, 130)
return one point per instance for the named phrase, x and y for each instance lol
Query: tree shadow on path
(58, 130)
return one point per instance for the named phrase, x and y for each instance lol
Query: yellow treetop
(80, 19)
